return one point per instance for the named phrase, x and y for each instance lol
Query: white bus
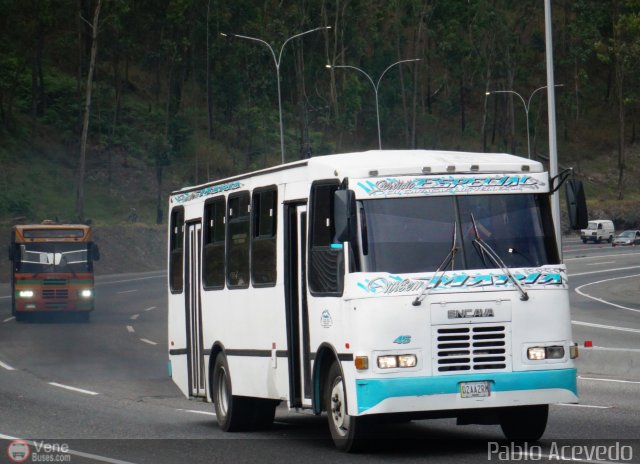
(411, 282)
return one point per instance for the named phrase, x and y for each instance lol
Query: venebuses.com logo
(18, 451)
(38, 451)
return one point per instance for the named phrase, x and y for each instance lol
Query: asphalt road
(101, 390)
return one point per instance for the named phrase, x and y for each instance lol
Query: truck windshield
(54, 257)
(407, 235)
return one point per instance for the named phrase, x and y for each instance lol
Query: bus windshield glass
(54, 257)
(408, 235)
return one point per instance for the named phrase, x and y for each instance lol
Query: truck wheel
(347, 431)
(524, 423)
(232, 412)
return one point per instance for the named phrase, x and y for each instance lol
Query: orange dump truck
(52, 269)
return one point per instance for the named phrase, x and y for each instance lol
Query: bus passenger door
(195, 351)
(297, 313)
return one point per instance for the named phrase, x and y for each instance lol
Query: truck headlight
(26, 293)
(86, 293)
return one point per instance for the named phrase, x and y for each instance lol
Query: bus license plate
(475, 389)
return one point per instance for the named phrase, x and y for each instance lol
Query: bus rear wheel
(347, 431)
(232, 412)
(524, 423)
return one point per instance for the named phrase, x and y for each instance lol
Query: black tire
(524, 423)
(348, 432)
(263, 413)
(584, 240)
(232, 412)
(610, 238)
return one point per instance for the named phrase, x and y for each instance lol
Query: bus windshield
(407, 235)
(54, 257)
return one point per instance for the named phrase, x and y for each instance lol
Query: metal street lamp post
(526, 105)
(375, 88)
(277, 60)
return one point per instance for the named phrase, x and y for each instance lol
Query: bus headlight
(393, 361)
(539, 353)
(407, 360)
(25, 293)
(555, 352)
(387, 362)
(86, 293)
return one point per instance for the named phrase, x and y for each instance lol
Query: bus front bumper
(440, 393)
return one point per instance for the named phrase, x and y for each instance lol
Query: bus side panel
(255, 347)
(178, 368)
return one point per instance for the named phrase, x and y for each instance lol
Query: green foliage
(161, 63)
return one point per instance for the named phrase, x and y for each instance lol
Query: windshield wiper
(441, 269)
(486, 248)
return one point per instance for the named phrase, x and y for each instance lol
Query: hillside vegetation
(174, 102)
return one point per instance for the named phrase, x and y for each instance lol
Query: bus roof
(51, 232)
(376, 163)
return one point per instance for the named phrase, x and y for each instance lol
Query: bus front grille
(474, 348)
(55, 293)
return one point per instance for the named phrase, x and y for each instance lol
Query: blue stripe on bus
(370, 392)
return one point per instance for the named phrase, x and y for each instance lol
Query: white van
(597, 230)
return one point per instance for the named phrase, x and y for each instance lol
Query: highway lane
(605, 293)
(135, 398)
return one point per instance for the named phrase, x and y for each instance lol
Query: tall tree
(87, 112)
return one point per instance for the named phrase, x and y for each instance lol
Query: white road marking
(9, 319)
(79, 390)
(130, 329)
(598, 264)
(81, 454)
(595, 379)
(5, 297)
(609, 327)
(149, 309)
(580, 292)
(148, 341)
(6, 366)
(127, 291)
(605, 271)
(580, 258)
(135, 316)
(131, 280)
(584, 406)
(198, 412)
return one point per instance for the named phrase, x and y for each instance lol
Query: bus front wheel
(524, 423)
(347, 431)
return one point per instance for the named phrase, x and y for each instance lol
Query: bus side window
(326, 264)
(263, 237)
(214, 240)
(176, 250)
(238, 240)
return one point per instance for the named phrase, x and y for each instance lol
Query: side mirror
(95, 252)
(576, 205)
(344, 215)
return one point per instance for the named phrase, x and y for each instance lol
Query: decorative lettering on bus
(450, 185)
(398, 284)
(470, 312)
(205, 192)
